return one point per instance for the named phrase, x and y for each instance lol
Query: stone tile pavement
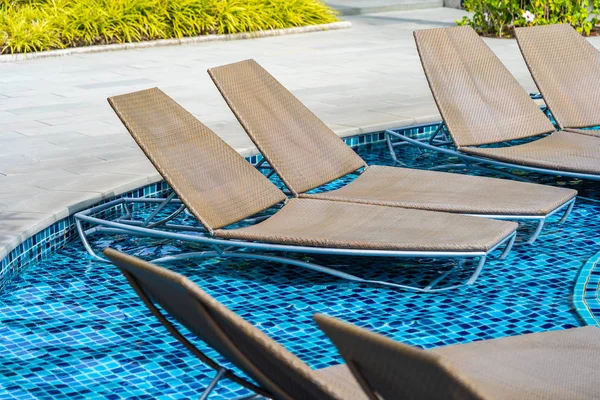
(62, 148)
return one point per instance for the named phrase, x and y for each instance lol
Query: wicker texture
(561, 151)
(566, 69)
(276, 122)
(340, 377)
(589, 132)
(266, 362)
(539, 366)
(478, 98)
(304, 152)
(215, 183)
(440, 191)
(549, 365)
(321, 223)
(394, 370)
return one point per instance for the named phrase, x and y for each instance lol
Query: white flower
(486, 16)
(529, 16)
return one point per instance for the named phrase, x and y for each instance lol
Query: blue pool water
(72, 327)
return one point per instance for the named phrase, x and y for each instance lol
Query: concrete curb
(173, 42)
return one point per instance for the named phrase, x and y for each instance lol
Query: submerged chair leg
(569, 208)
(509, 246)
(83, 236)
(264, 251)
(339, 274)
(537, 232)
(568, 212)
(211, 386)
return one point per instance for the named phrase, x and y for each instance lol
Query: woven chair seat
(320, 223)
(340, 378)
(549, 365)
(430, 190)
(589, 132)
(562, 151)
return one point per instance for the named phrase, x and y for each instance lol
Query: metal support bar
(441, 277)
(568, 212)
(508, 247)
(86, 244)
(251, 397)
(316, 267)
(477, 159)
(157, 210)
(228, 248)
(537, 232)
(213, 384)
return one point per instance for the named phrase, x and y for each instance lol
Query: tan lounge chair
(278, 373)
(220, 188)
(481, 104)
(566, 70)
(551, 365)
(306, 154)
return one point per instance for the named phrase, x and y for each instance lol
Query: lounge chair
(220, 188)
(306, 154)
(482, 105)
(277, 373)
(566, 70)
(550, 365)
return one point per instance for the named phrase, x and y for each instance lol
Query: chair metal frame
(440, 137)
(469, 160)
(229, 248)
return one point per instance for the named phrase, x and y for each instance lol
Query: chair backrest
(215, 182)
(262, 359)
(304, 152)
(390, 370)
(566, 70)
(478, 98)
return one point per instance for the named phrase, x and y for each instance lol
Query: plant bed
(499, 18)
(38, 25)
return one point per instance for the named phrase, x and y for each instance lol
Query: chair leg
(213, 384)
(568, 212)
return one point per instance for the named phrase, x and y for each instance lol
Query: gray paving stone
(114, 84)
(46, 108)
(14, 184)
(6, 134)
(59, 203)
(58, 160)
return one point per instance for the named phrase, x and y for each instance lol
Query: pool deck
(62, 148)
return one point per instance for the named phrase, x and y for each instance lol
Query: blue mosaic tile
(72, 328)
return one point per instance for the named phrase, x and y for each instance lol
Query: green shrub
(36, 25)
(500, 17)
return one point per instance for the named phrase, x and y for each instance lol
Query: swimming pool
(72, 327)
